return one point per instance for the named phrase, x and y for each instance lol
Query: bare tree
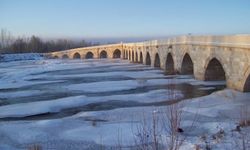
(19, 46)
(8, 44)
(172, 126)
(6, 39)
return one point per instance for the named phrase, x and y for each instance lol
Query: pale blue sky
(124, 18)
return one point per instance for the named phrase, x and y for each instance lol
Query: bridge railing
(241, 41)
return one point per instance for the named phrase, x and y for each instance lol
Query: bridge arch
(157, 62)
(136, 57)
(141, 58)
(148, 59)
(133, 56)
(117, 53)
(126, 54)
(247, 84)
(103, 54)
(123, 54)
(169, 65)
(76, 56)
(246, 80)
(55, 57)
(65, 56)
(89, 55)
(187, 65)
(214, 71)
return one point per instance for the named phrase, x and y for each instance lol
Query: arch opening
(247, 85)
(148, 59)
(169, 66)
(141, 58)
(187, 66)
(103, 54)
(117, 54)
(157, 63)
(77, 56)
(65, 56)
(126, 54)
(136, 57)
(133, 56)
(89, 55)
(55, 57)
(214, 71)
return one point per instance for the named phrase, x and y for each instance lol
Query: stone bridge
(208, 58)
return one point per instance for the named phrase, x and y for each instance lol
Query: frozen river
(99, 84)
(85, 104)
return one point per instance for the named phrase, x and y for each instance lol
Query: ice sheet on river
(76, 128)
(51, 106)
(86, 129)
(121, 85)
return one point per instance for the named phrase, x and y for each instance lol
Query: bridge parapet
(240, 41)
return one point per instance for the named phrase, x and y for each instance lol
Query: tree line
(34, 44)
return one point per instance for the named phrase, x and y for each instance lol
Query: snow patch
(18, 57)
(34, 108)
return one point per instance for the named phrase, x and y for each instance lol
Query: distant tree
(36, 44)
(6, 39)
(49, 46)
(96, 43)
(19, 46)
(83, 43)
(3, 37)
(8, 44)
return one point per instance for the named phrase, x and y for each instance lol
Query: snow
(84, 129)
(17, 74)
(122, 85)
(17, 94)
(76, 129)
(92, 133)
(52, 106)
(133, 74)
(208, 82)
(19, 57)
(109, 86)
(34, 108)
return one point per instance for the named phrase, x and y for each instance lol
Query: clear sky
(124, 18)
